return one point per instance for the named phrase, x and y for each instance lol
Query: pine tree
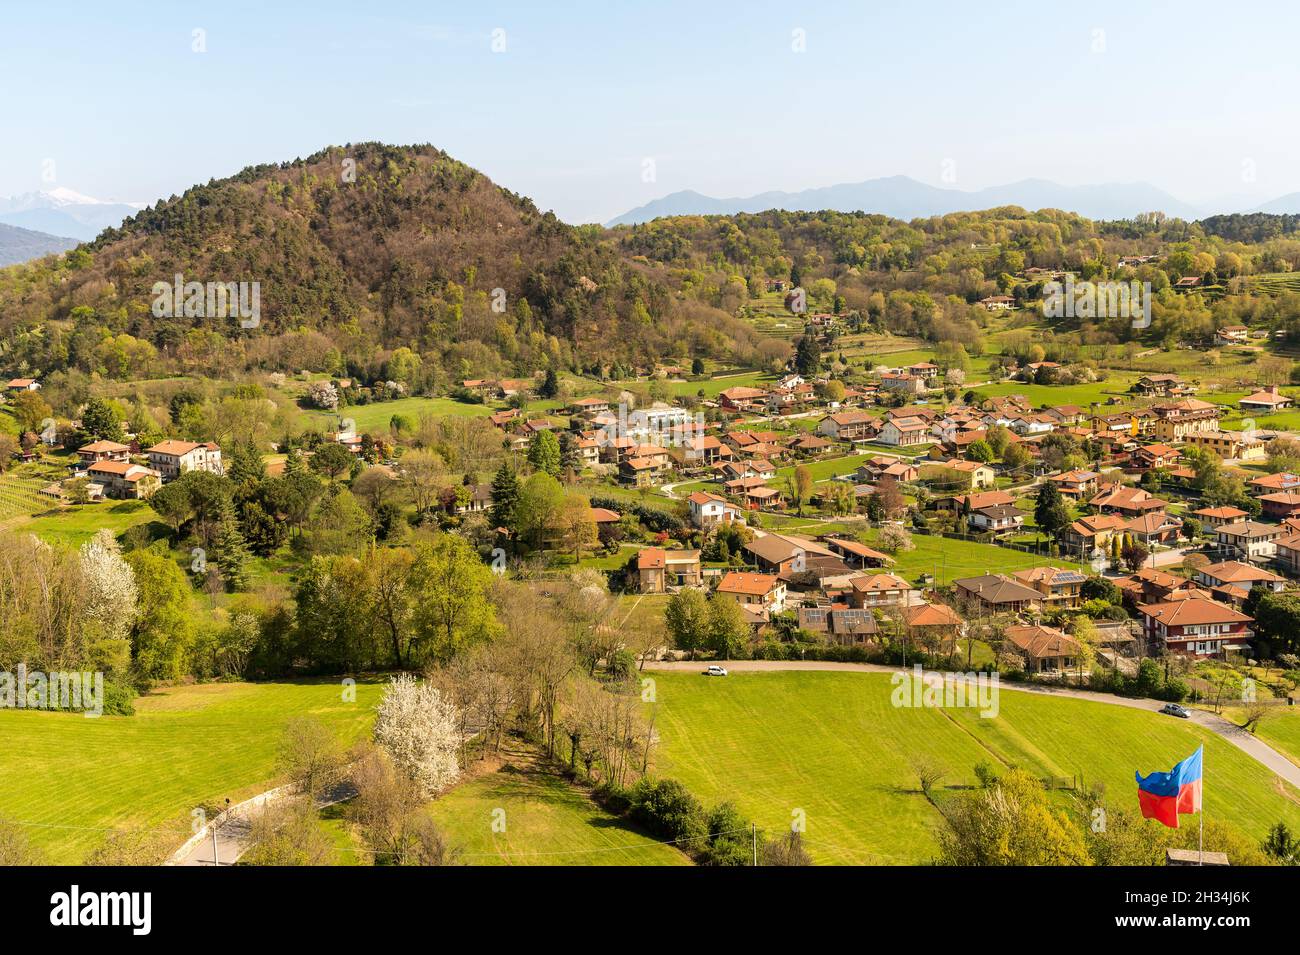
(230, 551)
(505, 497)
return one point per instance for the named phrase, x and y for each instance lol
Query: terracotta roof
(737, 582)
(1193, 611)
(1039, 641)
(875, 582)
(933, 615)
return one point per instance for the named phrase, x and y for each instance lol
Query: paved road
(1252, 746)
(234, 830)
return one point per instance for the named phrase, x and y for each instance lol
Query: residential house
(849, 426)
(1196, 625)
(1249, 539)
(1155, 527)
(1061, 588)
(1288, 551)
(1278, 481)
(1280, 505)
(658, 570)
(478, 500)
(123, 479)
(1091, 535)
(1044, 649)
(641, 472)
(23, 384)
(936, 625)
(1219, 516)
(998, 303)
(785, 555)
(842, 624)
(707, 511)
(1228, 445)
(904, 432)
(1149, 457)
(880, 590)
(172, 458)
(1269, 399)
(98, 451)
(999, 592)
(997, 519)
(1159, 386)
(1242, 575)
(969, 475)
(1129, 501)
(741, 398)
(765, 591)
(903, 382)
(1075, 485)
(1228, 334)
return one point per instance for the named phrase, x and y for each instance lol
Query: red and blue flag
(1164, 796)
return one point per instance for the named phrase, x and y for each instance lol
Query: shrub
(668, 810)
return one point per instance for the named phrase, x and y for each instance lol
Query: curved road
(1251, 745)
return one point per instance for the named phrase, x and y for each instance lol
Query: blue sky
(1193, 97)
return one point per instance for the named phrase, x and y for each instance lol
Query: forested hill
(357, 250)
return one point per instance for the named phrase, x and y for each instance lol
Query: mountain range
(64, 212)
(21, 245)
(905, 198)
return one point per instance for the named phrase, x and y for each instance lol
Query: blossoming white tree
(419, 728)
(110, 588)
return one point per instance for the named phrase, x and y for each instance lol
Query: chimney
(1272, 389)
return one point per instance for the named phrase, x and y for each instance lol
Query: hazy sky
(1193, 97)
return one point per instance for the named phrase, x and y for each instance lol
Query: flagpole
(1201, 838)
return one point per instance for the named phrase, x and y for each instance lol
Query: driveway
(1252, 746)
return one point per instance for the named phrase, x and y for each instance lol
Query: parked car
(715, 670)
(1173, 709)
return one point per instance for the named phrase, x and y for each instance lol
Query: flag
(1164, 796)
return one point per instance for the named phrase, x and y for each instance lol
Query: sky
(591, 109)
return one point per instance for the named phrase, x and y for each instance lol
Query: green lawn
(546, 822)
(832, 746)
(375, 417)
(185, 747)
(1281, 730)
(951, 558)
(1116, 385)
(73, 526)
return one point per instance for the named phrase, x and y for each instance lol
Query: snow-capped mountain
(64, 212)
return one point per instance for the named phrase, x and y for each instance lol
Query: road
(235, 827)
(1252, 746)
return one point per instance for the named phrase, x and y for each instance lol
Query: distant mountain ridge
(22, 245)
(903, 197)
(63, 212)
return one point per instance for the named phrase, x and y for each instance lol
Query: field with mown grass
(540, 820)
(376, 416)
(68, 778)
(831, 745)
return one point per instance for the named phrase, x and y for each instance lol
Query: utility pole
(753, 826)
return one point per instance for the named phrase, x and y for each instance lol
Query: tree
(728, 631)
(687, 619)
(891, 497)
(418, 729)
(538, 510)
(786, 851)
(894, 539)
(803, 485)
(1134, 553)
(230, 551)
(101, 421)
(422, 474)
(15, 848)
(544, 453)
(450, 589)
(332, 459)
(550, 386)
(288, 832)
(110, 602)
(30, 410)
(310, 755)
(163, 630)
(577, 529)
(807, 355)
(1050, 513)
(980, 451)
(1010, 823)
(505, 497)
(1281, 845)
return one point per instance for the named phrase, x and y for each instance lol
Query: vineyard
(1276, 283)
(20, 489)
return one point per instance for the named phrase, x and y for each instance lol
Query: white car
(716, 670)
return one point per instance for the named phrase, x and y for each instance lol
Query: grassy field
(546, 822)
(951, 558)
(70, 777)
(375, 417)
(1081, 395)
(73, 526)
(1282, 732)
(832, 746)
